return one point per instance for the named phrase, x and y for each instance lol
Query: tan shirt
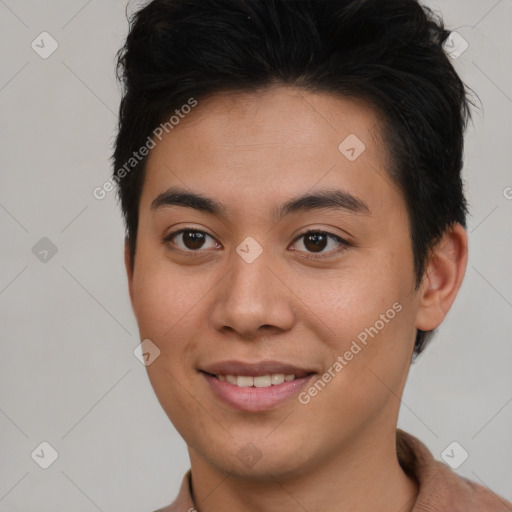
(440, 489)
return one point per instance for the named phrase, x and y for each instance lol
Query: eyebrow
(335, 199)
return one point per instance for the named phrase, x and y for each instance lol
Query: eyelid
(167, 239)
(344, 244)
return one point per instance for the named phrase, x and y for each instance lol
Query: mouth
(258, 381)
(255, 387)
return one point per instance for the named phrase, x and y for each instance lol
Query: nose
(253, 299)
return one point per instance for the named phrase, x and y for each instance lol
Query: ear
(128, 266)
(443, 277)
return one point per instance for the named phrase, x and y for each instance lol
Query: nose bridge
(251, 295)
(251, 278)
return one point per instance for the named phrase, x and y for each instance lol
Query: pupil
(318, 240)
(193, 239)
(315, 242)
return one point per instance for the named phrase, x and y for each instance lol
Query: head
(265, 121)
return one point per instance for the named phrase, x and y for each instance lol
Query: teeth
(231, 379)
(261, 381)
(277, 378)
(244, 382)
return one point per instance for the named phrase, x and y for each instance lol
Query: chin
(272, 461)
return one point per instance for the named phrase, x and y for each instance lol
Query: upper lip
(255, 369)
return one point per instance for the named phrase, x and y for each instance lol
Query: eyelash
(197, 253)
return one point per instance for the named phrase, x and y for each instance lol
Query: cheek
(347, 301)
(368, 312)
(167, 304)
(369, 374)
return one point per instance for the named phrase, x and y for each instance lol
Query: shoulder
(440, 488)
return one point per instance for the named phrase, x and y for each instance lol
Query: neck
(362, 475)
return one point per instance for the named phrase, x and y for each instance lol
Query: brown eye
(193, 239)
(315, 242)
(188, 240)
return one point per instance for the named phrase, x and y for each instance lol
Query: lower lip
(255, 399)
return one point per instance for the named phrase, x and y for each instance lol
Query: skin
(252, 152)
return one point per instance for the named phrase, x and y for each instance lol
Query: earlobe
(442, 280)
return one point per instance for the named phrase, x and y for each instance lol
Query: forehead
(280, 115)
(282, 140)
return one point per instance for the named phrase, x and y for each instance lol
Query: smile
(260, 381)
(255, 387)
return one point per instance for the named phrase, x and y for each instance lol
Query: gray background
(68, 374)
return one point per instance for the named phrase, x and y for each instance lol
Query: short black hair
(386, 52)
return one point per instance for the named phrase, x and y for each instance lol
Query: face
(255, 284)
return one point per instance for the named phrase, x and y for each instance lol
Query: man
(289, 173)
